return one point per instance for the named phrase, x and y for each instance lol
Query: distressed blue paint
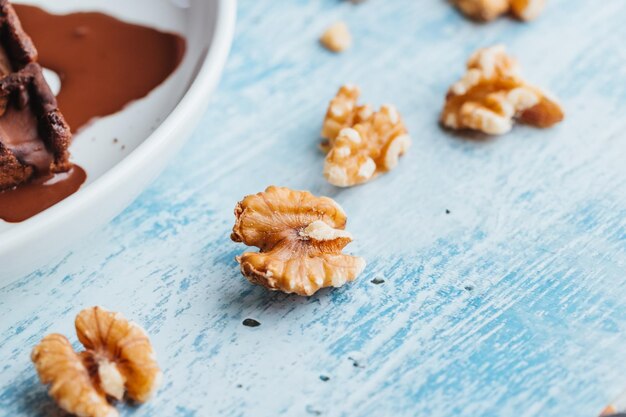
(511, 305)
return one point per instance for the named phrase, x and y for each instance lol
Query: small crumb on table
(337, 37)
(251, 323)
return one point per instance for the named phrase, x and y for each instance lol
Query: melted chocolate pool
(39, 194)
(103, 64)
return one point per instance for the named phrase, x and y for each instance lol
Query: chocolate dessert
(90, 52)
(34, 136)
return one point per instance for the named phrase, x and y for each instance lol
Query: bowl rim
(204, 83)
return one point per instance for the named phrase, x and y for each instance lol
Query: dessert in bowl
(156, 78)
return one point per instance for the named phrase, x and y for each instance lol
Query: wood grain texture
(513, 304)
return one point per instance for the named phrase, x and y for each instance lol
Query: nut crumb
(358, 360)
(337, 37)
(487, 10)
(251, 323)
(492, 94)
(609, 409)
(300, 238)
(118, 358)
(617, 408)
(361, 143)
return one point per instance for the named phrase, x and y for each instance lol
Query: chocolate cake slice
(34, 136)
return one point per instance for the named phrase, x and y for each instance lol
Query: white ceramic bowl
(148, 132)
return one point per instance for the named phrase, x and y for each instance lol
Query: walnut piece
(608, 411)
(300, 238)
(492, 94)
(617, 408)
(486, 10)
(118, 358)
(337, 37)
(360, 142)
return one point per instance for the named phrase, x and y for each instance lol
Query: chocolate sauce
(39, 194)
(104, 64)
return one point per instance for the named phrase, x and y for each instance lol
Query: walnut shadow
(33, 399)
(468, 135)
(245, 300)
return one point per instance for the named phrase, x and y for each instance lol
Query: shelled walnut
(486, 10)
(492, 94)
(300, 238)
(118, 358)
(360, 142)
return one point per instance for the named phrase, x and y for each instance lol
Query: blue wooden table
(511, 304)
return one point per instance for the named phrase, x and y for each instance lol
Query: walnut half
(300, 238)
(492, 94)
(361, 143)
(118, 358)
(486, 10)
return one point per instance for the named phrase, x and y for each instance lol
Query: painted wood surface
(513, 304)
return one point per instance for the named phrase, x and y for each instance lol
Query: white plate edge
(203, 85)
